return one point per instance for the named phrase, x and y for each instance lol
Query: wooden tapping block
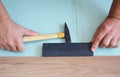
(43, 37)
(66, 49)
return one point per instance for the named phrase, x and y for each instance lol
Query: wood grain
(43, 37)
(39, 37)
(60, 67)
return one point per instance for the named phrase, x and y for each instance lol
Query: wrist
(115, 10)
(3, 13)
(115, 17)
(4, 17)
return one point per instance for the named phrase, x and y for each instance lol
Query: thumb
(30, 33)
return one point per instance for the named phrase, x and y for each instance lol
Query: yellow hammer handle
(43, 37)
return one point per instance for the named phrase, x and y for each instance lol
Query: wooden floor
(60, 67)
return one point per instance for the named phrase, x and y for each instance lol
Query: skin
(108, 33)
(11, 34)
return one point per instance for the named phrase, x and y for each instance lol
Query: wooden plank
(60, 67)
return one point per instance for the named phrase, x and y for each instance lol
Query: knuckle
(16, 37)
(17, 41)
(10, 44)
(97, 39)
(104, 44)
(20, 46)
(113, 32)
(112, 45)
(105, 27)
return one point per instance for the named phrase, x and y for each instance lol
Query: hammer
(43, 37)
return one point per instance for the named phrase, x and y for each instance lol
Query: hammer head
(67, 34)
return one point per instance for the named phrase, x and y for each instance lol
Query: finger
(1, 46)
(96, 41)
(12, 46)
(113, 43)
(8, 48)
(118, 43)
(5, 46)
(30, 33)
(106, 40)
(19, 45)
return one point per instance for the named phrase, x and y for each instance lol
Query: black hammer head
(67, 34)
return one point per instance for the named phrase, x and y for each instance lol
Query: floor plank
(60, 66)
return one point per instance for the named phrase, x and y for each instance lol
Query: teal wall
(48, 16)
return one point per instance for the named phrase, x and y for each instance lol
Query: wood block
(66, 49)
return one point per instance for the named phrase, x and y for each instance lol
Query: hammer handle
(42, 37)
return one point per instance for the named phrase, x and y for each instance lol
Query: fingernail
(93, 49)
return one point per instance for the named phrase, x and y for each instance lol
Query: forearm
(115, 9)
(3, 13)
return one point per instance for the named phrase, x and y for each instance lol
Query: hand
(107, 34)
(11, 35)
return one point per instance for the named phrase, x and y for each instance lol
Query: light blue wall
(48, 16)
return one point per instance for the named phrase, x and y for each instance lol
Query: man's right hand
(11, 35)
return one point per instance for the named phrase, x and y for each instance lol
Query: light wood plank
(60, 67)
